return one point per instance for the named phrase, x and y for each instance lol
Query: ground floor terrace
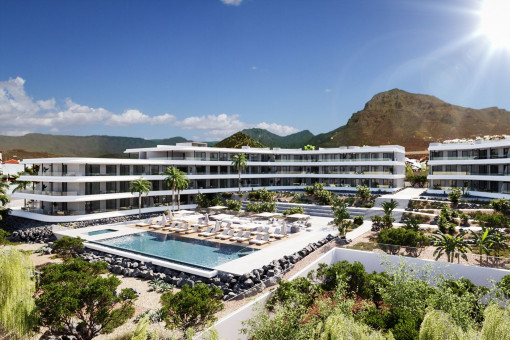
(483, 188)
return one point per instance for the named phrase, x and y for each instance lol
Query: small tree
(191, 307)
(482, 240)
(452, 246)
(389, 206)
(68, 247)
(17, 287)
(363, 192)
(239, 162)
(309, 147)
(140, 186)
(340, 214)
(75, 292)
(454, 196)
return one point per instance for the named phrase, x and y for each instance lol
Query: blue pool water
(174, 248)
(99, 232)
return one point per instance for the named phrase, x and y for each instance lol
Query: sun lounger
(237, 236)
(184, 227)
(224, 233)
(207, 231)
(171, 226)
(158, 225)
(213, 232)
(262, 241)
(145, 223)
(229, 235)
(195, 229)
(258, 238)
(178, 227)
(276, 233)
(258, 231)
(246, 237)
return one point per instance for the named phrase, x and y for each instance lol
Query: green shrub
(262, 195)
(368, 205)
(68, 247)
(226, 195)
(358, 220)
(74, 291)
(294, 210)
(363, 192)
(216, 200)
(454, 195)
(501, 205)
(353, 275)
(233, 205)
(261, 207)
(202, 201)
(4, 237)
(412, 224)
(299, 291)
(191, 307)
(492, 220)
(403, 237)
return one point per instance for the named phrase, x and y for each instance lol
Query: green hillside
(82, 146)
(294, 141)
(237, 141)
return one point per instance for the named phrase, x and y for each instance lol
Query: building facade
(71, 189)
(480, 167)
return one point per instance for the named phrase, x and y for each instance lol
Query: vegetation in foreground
(343, 301)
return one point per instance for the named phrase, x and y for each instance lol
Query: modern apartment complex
(480, 167)
(71, 189)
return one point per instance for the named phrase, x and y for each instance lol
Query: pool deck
(267, 253)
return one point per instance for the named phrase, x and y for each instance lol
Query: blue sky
(205, 69)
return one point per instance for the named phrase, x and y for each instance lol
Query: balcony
(466, 173)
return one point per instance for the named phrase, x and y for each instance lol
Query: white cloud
(20, 114)
(328, 90)
(254, 68)
(232, 2)
(282, 130)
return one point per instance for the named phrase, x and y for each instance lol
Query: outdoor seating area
(255, 230)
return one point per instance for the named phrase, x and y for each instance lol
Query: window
(111, 187)
(111, 170)
(92, 169)
(124, 170)
(92, 188)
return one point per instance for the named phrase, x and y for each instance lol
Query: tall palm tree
(483, 241)
(182, 184)
(4, 186)
(239, 162)
(140, 186)
(452, 246)
(21, 185)
(173, 178)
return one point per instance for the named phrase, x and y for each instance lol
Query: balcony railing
(466, 173)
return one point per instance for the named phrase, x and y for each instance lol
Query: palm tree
(483, 241)
(21, 185)
(450, 245)
(339, 209)
(182, 184)
(4, 186)
(499, 242)
(140, 186)
(389, 206)
(174, 179)
(239, 162)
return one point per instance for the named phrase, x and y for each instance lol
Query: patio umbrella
(206, 219)
(284, 228)
(163, 220)
(170, 215)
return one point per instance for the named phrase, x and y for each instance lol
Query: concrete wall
(229, 326)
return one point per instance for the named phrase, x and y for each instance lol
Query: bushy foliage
(358, 220)
(412, 224)
(363, 192)
(68, 247)
(17, 287)
(501, 205)
(262, 195)
(4, 237)
(341, 326)
(202, 201)
(454, 196)
(321, 195)
(403, 237)
(191, 307)
(261, 207)
(74, 291)
(417, 180)
(294, 210)
(234, 205)
(492, 220)
(296, 292)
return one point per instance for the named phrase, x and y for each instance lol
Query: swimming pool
(100, 232)
(174, 248)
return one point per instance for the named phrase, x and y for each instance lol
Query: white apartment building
(482, 167)
(73, 189)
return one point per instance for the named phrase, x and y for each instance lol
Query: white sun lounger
(246, 237)
(185, 227)
(238, 235)
(158, 225)
(258, 231)
(145, 223)
(276, 233)
(178, 227)
(224, 233)
(261, 241)
(213, 232)
(229, 235)
(207, 231)
(258, 238)
(195, 229)
(171, 226)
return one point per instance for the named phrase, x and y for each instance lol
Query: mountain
(81, 146)
(294, 141)
(413, 121)
(237, 141)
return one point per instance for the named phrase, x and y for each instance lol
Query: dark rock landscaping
(233, 286)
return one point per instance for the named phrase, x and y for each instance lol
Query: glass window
(111, 170)
(124, 170)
